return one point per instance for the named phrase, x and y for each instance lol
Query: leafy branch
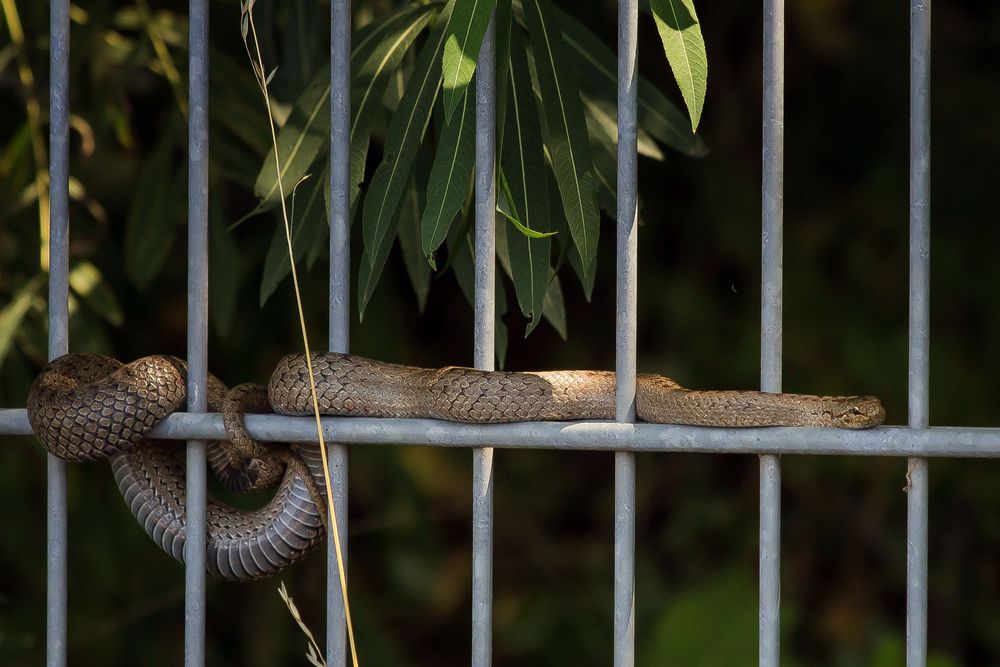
(557, 137)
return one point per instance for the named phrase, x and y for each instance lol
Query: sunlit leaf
(13, 313)
(680, 31)
(605, 117)
(88, 283)
(597, 68)
(461, 49)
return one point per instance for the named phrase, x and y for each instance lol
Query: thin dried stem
(258, 65)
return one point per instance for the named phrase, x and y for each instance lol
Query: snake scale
(85, 407)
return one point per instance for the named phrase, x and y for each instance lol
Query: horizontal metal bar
(954, 441)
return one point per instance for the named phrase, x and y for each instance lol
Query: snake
(87, 407)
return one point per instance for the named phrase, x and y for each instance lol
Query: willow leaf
(152, 217)
(684, 45)
(86, 281)
(451, 176)
(309, 227)
(522, 170)
(566, 136)
(460, 258)
(554, 307)
(14, 312)
(406, 130)
(597, 67)
(304, 134)
(417, 268)
(370, 84)
(375, 53)
(560, 224)
(603, 150)
(224, 270)
(461, 49)
(605, 117)
(504, 21)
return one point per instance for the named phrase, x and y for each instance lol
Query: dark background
(845, 331)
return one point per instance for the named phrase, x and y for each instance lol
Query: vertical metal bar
(197, 332)
(485, 352)
(625, 338)
(919, 353)
(340, 301)
(58, 318)
(770, 324)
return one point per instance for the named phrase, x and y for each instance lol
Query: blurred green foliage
(843, 561)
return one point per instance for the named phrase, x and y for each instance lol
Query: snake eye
(855, 411)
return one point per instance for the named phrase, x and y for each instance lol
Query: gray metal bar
(625, 339)
(938, 441)
(56, 524)
(769, 610)
(197, 332)
(485, 352)
(768, 649)
(919, 347)
(340, 302)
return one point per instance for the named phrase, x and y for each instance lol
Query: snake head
(857, 412)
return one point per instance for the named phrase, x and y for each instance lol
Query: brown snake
(85, 407)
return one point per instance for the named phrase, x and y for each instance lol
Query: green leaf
(305, 133)
(460, 252)
(151, 222)
(504, 21)
(379, 216)
(450, 178)
(225, 270)
(603, 115)
(505, 206)
(523, 188)
(560, 224)
(376, 53)
(566, 136)
(236, 104)
(302, 38)
(554, 307)
(461, 49)
(372, 80)
(680, 31)
(417, 268)
(309, 228)
(88, 283)
(603, 150)
(597, 68)
(13, 313)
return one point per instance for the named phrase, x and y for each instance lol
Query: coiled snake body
(85, 407)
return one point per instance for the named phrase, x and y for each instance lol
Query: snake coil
(85, 407)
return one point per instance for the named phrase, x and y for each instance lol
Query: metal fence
(916, 441)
